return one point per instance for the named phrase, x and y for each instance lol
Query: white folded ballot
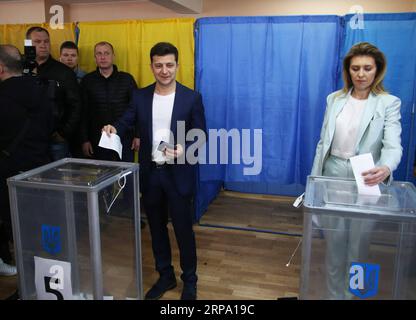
(359, 164)
(112, 142)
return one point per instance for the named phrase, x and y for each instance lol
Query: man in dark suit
(165, 112)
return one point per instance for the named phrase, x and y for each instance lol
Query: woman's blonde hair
(365, 49)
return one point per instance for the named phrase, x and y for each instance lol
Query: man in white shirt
(167, 180)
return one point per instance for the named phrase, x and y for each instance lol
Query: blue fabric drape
(395, 35)
(269, 73)
(274, 73)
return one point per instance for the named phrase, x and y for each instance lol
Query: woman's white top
(346, 128)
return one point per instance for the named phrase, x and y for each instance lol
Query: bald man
(25, 132)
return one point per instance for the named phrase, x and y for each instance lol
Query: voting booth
(76, 227)
(358, 246)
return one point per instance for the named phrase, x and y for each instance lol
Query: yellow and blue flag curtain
(122, 35)
(132, 41)
(179, 32)
(15, 34)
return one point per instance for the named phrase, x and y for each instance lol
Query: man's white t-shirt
(162, 115)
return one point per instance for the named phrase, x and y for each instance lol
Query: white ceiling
(180, 6)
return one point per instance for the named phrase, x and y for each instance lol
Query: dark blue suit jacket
(187, 107)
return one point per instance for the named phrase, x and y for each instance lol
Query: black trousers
(10, 167)
(6, 233)
(161, 198)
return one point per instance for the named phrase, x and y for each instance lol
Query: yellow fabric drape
(132, 41)
(179, 32)
(15, 34)
(122, 35)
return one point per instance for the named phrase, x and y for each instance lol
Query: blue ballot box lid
(330, 195)
(77, 173)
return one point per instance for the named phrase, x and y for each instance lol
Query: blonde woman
(360, 118)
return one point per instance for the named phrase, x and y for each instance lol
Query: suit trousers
(347, 239)
(161, 198)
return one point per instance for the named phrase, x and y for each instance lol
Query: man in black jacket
(106, 94)
(67, 98)
(27, 123)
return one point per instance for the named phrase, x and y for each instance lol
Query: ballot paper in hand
(111, 142)
(361, 163)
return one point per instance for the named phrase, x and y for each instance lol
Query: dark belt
(155, 165)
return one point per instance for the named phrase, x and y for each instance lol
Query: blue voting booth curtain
(270, 74)
(274, 74)
(395, 35)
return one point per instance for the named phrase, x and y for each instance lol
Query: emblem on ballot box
(364, 279)
(51, 239)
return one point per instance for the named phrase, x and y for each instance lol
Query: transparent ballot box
(76, 228)
(358, 246)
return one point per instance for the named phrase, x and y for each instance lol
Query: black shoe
(160, 287)
(188, 292)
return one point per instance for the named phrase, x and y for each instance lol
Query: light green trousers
(347, 239)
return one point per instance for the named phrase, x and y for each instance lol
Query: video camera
(29, 59)
(29, 64)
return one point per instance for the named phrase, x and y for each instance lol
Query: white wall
(16, 12)
(148, 10)
(33, 11)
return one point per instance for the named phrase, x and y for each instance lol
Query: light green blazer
(379, 132)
